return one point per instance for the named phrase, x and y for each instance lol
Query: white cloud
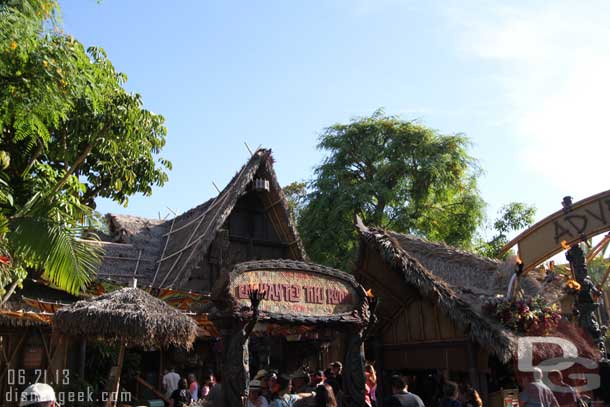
(553, 62)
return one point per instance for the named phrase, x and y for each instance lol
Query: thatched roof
(33, 305)
(461, 309)
(168, 251)
(130, 316)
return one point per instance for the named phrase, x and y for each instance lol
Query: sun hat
(255, 384)
(260, 374)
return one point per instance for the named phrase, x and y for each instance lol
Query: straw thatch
(169, 251)
(18, 312)
(128, 316)
(461, 310)
(464, 270)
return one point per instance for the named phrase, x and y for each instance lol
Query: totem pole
(236, 373)
(353, 372)
(586, 300)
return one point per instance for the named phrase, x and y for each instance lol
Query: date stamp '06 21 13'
(23, 377)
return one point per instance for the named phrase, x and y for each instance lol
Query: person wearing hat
(38, 395)
(260, 374)
(255, 398)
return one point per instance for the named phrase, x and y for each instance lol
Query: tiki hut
(128, 316)
(431, 313)
(181, 258)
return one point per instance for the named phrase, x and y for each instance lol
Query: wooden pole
(152, 389)
(83, 358)
(116, 385)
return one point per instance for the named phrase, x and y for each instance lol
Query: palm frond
(67, 261)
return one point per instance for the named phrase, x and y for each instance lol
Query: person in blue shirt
(283, 398)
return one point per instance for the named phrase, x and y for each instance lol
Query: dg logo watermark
(550, 355)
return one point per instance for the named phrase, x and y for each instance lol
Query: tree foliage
(395, 174)
(296, 195)
(69, 133)
(512, 217)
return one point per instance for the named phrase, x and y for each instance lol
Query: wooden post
(83, 358)
(116, 380)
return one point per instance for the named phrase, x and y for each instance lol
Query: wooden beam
(605, 278)
(598, 248)
(152, 389)
(116, 380)
(13, 354)
(421, 320)
(46, 346)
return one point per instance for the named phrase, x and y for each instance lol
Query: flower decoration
(533, 316)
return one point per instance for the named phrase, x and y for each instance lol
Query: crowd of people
(183, 391)
(321, 388)
(324, 389)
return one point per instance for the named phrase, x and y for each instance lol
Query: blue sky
(527, 83)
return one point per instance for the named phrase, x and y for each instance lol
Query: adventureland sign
(582, 220)
(295, 292)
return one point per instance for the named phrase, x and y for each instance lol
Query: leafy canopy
(69, 133)
(512, 217)
(395, 174)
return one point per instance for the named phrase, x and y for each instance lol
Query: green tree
(395, 174)
(69, 132)
(296, 195)
(512, 217)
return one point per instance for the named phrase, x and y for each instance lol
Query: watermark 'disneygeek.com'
(18, 379)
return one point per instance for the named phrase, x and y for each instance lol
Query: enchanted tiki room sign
(574, 223)
(295, 288)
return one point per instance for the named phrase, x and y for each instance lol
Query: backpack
(182, 398)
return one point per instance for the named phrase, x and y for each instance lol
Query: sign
(582, 220)
(296, 292)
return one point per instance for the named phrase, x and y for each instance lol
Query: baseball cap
(37, 393)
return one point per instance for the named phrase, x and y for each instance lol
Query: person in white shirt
(255, 398)
(170, 382)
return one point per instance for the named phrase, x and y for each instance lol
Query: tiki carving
(236, 364)
(353, 373)
(586, 301)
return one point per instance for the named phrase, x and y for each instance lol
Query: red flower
(5, 260)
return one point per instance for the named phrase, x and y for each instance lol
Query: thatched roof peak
(124, 227)
(163, 254)
(127, 316)
(459, 306)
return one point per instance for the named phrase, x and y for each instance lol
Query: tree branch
(81, 158)
(9, 293)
